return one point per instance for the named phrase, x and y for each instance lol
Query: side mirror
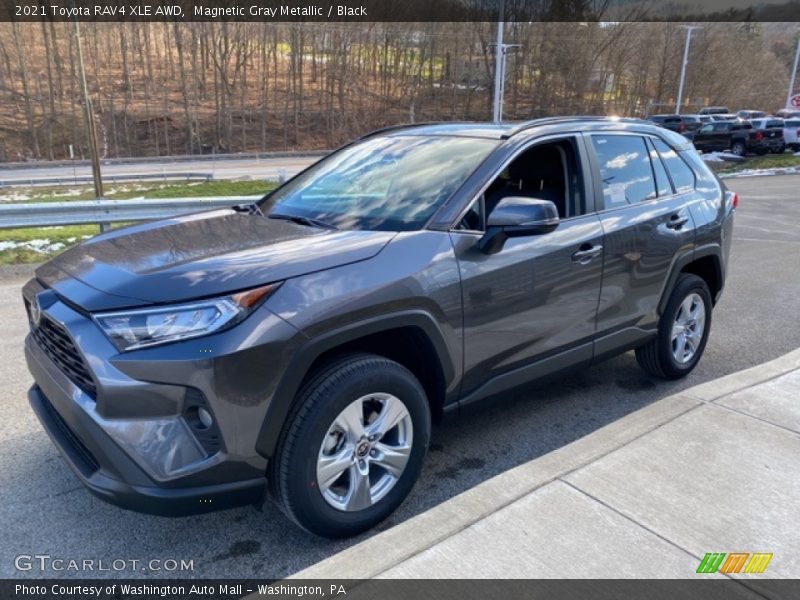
(517, 216)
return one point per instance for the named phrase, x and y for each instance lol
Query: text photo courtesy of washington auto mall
(375, 299)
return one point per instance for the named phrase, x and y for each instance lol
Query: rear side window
(663, 185)
(681, 174)
(791, 124)
(625, 169)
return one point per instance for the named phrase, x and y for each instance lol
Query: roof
(503, 130)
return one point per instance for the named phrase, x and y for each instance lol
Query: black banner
(394, 589)
(393, 10)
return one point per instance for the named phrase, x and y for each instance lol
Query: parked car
(685, 124)
(714, 110)
(304, 344)
(724, 117)
(773, 131)
(786, 113)
(791, 133)
(740, 137)
(751, 114)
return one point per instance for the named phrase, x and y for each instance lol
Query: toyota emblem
(36, 311)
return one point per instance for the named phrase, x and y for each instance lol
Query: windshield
(392, 183)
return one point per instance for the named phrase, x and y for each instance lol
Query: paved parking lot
(45, 511)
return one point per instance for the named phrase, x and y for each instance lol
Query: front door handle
(677, 221)
(586, 253)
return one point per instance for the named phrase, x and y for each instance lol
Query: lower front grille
(80, 454)
(59, 347)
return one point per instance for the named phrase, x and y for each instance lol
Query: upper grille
(55, 342)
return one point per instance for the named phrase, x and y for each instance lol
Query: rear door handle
(586, 253)
(677, 221)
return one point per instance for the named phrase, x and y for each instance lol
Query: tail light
(681, 128)
(759, 136)
(797, 133)
(734, 198)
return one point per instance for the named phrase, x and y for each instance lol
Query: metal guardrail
(79, 179)
(103, 212)
(44, 164)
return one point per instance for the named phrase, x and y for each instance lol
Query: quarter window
(625, 169)
(662, 181)
(682, 175)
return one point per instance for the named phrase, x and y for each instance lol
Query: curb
(370, 558)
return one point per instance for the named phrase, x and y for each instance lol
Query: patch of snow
(761, 172)
(719, 156)
(39, 245)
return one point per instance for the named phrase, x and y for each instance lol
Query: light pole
(689, 30)
(794, 73)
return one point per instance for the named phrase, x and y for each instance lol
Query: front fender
(286, 391)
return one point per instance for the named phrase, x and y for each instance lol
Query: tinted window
(624, 169)
(775, 123)
(791, 124)
(662, 181)
(682, 175)
(392, 183)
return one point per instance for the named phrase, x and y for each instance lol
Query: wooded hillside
(167, 88)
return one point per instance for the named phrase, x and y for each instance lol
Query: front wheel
(353, 447)
(682, 331)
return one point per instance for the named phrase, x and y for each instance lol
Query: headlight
(139, 328)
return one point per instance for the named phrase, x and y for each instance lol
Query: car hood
(194, 256)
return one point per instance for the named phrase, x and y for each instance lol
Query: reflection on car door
(644, 227)
(532, 300)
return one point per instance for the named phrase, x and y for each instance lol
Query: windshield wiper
(302, 220)
(251, 209)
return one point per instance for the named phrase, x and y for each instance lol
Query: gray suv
(303, 346)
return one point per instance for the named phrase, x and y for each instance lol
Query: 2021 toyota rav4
(305, 344)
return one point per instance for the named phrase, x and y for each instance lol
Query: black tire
(292, 471)
(657, 358)
(738, 148)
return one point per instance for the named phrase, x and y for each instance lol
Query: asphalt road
(265, 168)
(45, 511)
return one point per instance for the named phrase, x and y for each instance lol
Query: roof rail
(550, 120)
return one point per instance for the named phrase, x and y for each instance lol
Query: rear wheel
(738, 148)
(353, 447)
(682, 331)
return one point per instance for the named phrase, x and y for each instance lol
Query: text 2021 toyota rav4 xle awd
(305, 344)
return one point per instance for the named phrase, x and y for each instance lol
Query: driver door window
(546, 171)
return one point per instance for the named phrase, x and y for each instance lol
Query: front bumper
(128, 435)
(140, 498)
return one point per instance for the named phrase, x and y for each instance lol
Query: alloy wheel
(365, 452)
(688, 328)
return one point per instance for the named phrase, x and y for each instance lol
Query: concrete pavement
(711, 469)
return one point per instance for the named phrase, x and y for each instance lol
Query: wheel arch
(411, 338)
(706, 263)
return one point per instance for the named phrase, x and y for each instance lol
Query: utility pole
(689, 30)
(500, 67)
(90, 132)
(794, 73)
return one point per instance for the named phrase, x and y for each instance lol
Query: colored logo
(734, 562)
